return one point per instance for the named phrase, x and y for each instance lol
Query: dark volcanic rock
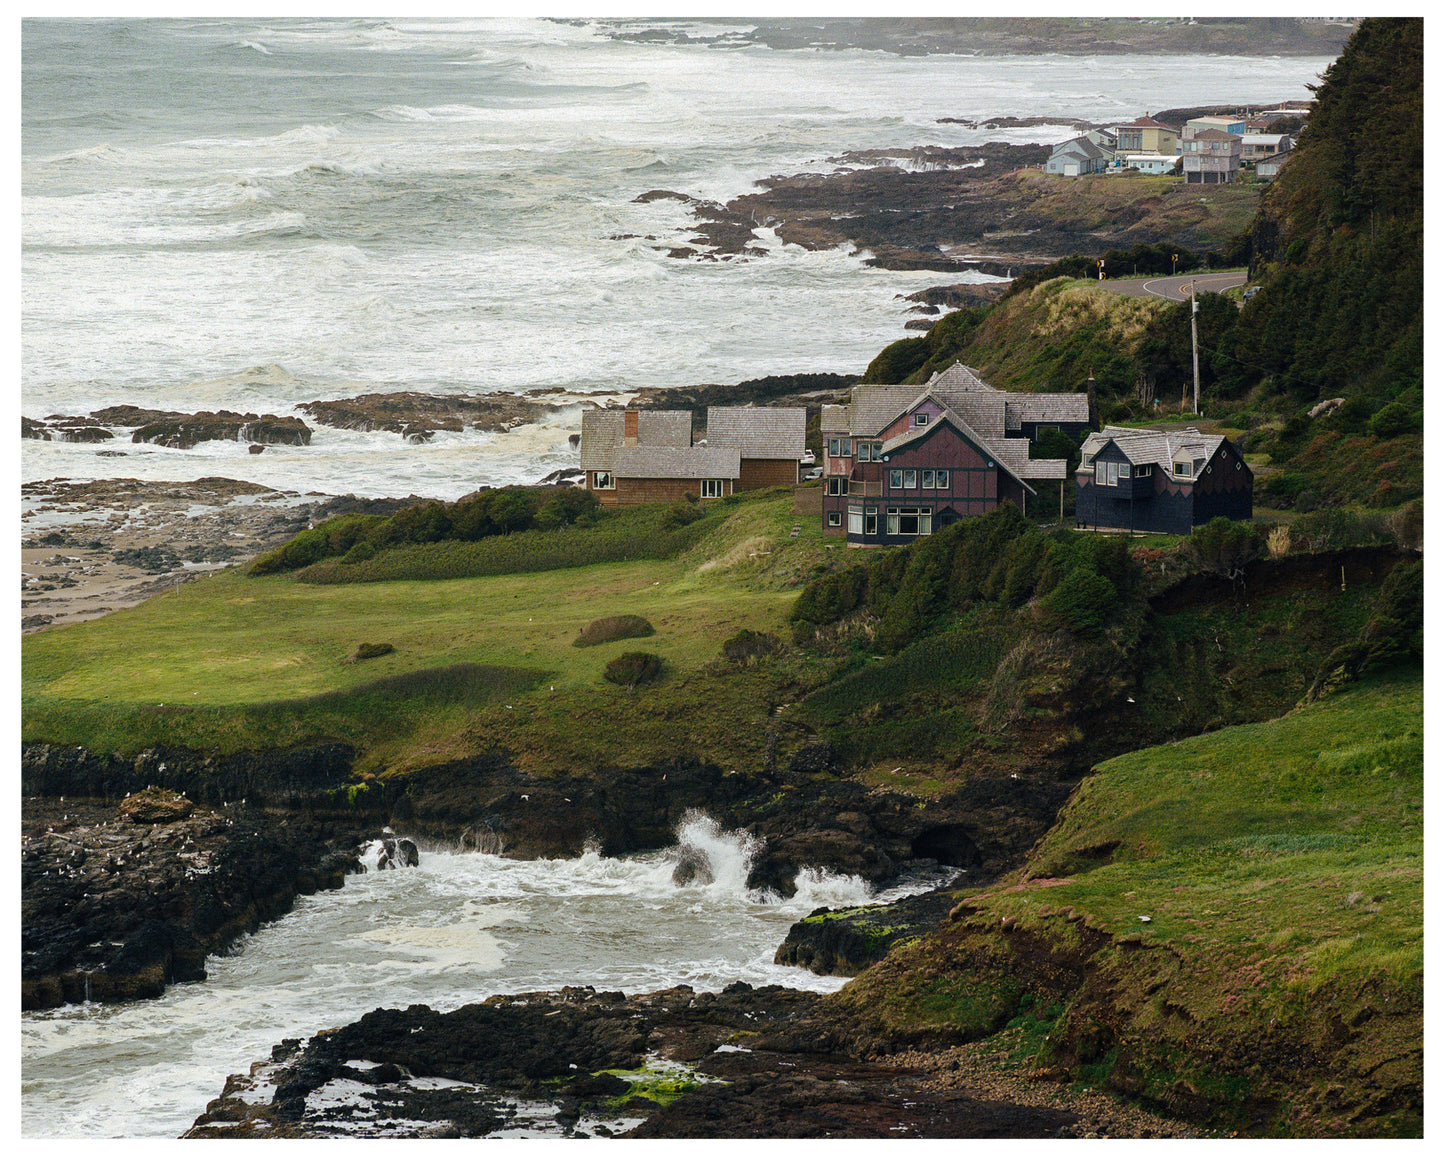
(119, 902)
(797, 1073)
(845, 942)
(417, 416)
(182, 431)
(64, 429)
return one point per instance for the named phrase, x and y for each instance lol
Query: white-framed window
(910, 479)
(909, 520)
(837, 485)
(920, 419)
(895, 479)
(855, 519)
(712, 487)
(935, 479)
(1108, 475)
(1087, 462)
(602, 480)
(835, 517)
(1123, 469)
(870, 521)
(1183, 469)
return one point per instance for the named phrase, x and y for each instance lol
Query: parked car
(814, 474)
(808, 458)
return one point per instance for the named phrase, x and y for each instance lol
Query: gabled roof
(758, 431)
(602, 434)
(641, 461)
(1009, 459)
(1154, 447)
(1217, 134)
(1080, 146)
(988, 412)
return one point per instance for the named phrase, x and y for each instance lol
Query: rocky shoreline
(741, 1063)
(89, 548)
(118, 901)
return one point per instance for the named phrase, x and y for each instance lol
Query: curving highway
(1176, 288)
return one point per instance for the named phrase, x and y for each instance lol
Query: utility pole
(1194, 336)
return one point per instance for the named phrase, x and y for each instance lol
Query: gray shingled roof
(1009, 459)
(1046, 407)
(875, 406)
(1152, 446)
(602, 434)
(834, 419)
(758, 431)
(641, 461)
(990, 411)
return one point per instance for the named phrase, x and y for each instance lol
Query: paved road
(1175, 288)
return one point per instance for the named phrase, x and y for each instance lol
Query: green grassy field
(233, 661)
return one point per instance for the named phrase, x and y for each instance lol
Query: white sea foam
(452, 931)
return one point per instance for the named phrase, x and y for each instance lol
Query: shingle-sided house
(632, 456)
(901, 461)
(769, 441)
(1156, 482)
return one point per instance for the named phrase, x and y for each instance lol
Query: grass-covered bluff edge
(1227, 927)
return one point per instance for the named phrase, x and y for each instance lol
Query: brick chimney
(629, 427)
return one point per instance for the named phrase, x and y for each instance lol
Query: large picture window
(601, 480)
(909, 520)
(855, 519)
(712, 487)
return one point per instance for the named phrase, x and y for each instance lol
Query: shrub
(681, 514)
(613, 628)
(1408, 525)
(1224, 547)
(1336, 528)
(1392, 421)
(633, 669)
(750, 645)
(370, 650)
(1081, 603)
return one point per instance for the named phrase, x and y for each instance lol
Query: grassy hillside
(1228, 927)
(235, 661)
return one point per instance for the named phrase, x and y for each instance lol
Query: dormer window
(1183, 469)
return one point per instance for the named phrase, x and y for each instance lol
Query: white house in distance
(1078, 157)
(1259, 146)
(1151, 163)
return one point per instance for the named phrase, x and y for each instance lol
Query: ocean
(249, 214)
